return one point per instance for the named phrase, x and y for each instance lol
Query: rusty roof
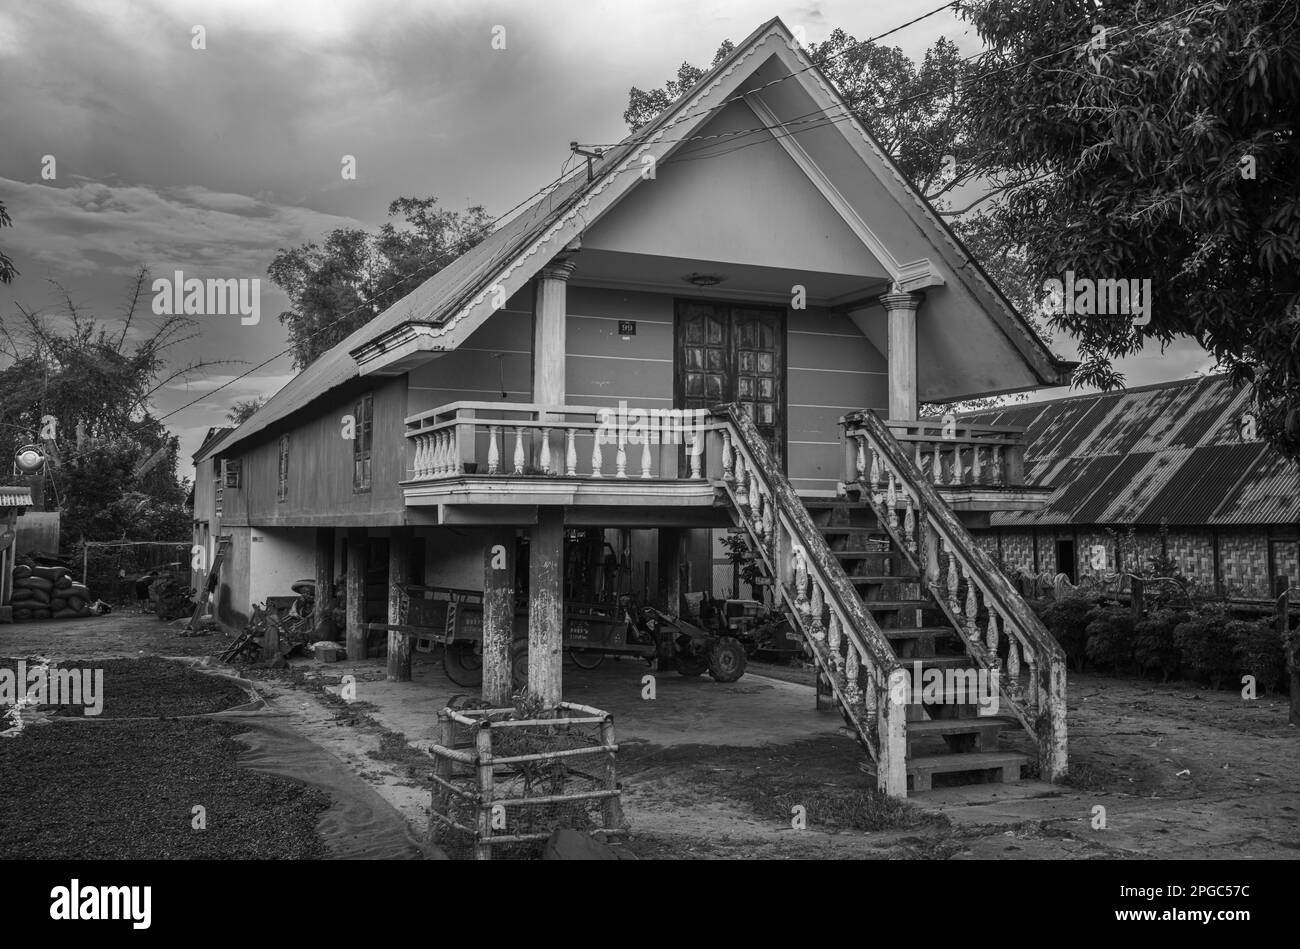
(1170, 453)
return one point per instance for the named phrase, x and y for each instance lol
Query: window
(284, 468)
(233, 471)
(361, 443)
(218, 491)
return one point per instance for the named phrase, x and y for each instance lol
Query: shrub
(1067, 619)
(1153, 643)
(1109, 638)
(1259, 652)
(1204, 645)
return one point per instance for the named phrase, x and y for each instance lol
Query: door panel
(728, 353)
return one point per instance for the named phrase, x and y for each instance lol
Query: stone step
(1001, 766)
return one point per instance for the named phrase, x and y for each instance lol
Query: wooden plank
(323, 612)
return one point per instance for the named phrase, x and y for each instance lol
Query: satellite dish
(29, 459)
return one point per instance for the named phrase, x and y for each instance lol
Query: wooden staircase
(925, 648)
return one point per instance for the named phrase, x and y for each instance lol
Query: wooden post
(498, 614)
(670, 569)
(1137, 590)
(1290, 644)
(612, 811)
(399, 643)
(442, 766)
(486, 788)
(323, 611)
(356, 593)
(546, 607)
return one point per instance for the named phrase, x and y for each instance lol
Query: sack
(22, 613)
(63, 582)
(78, 589)
(22, 570)
(66, 614)
(38, 596)
(76, 603)
(58, 603)
(41, 614)
(50, 573)
(35, 582)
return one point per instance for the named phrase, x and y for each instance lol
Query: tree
(83, 389)
(7, 269)
(1155, 142)
(243, 410)
(339, 286)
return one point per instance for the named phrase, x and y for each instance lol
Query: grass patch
(127, 790)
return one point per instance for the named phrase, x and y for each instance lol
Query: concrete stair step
(1003, 766)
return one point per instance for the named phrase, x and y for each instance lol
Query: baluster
(417, 463)
(430, 451)
(851, 690)
(875, 469)
(620, 458)
(892, 499)
(440, 453)
(958, 475)
(1032, 663)
(570, 453)
(954, 579)
(519, 450)
(742, 497)
(453, 450)
(861, 442)
(769, 529)
(801, 584)
(1013, 661)
(833, 637)
(494, 451)
(818, 607)
(544, 461)
(936, 466)
(997, 464)
(909, 525)
(916, 455)
(696, 453)
(991, 638)
(727, 474)
(972, 608)
(975, 464)
(645, 458)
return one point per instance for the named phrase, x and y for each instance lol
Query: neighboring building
(1181, 454)
(14, 503)
(803, 279)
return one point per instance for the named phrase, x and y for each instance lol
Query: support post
(891, 765)
(546, 607)
(356, 593)
(612, 808)
(323, 610)
(1137, 598)
(900, 309)
(399, 644)
(671, 546)
(498, 615)
(549, 313)
(486, 790)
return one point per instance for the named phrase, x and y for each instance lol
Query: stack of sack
(48, 592)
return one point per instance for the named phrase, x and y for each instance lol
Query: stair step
(1006, 764)
(889, 606)
(859, 554)
(851, 529)
(937, 727)
(920, 632)
(884, 578)
(938, 662)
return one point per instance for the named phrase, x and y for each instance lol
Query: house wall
(1244, 553)
(278, 559)
(36, 532)
(320, 487)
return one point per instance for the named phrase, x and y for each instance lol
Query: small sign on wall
(626, 328)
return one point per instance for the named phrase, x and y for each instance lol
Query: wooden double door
(727, 352)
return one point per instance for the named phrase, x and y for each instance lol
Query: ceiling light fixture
(704, 279)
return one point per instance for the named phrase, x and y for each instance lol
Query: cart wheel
(463, 663)
(727, 660)
(519, 668)
(691, 665)
(586, 658)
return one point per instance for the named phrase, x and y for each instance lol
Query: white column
(549, 309)
(900, 309)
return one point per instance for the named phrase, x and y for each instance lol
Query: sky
(208, 161)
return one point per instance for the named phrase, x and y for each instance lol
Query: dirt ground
(710, 771)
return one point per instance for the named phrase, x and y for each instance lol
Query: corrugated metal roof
(1167, 453)
(15, 497)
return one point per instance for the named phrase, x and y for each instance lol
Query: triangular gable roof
(439, 314)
